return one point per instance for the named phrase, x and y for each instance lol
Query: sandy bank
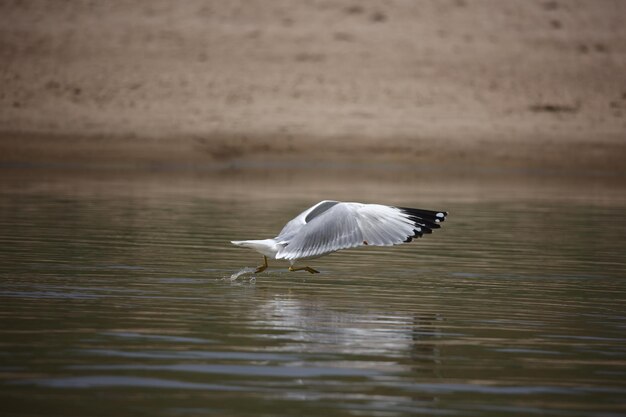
(521, 85)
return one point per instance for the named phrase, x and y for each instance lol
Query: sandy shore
(533, 85)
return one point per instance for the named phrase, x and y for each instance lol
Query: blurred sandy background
(487, 84)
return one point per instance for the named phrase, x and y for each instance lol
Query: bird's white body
(330, 226)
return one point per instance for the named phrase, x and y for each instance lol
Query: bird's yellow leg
(304, 268)
(263, 267)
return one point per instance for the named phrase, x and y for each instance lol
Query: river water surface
(121, 304)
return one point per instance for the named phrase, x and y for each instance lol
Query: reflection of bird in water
(315, 327)
(330, 226)
(402, 346)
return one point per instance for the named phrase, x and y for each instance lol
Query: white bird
(330, 226)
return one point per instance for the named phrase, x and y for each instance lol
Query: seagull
(330, 226)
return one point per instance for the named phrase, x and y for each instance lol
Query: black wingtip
(424, 221)
(432, 215)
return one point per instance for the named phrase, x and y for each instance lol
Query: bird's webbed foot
(304, 268)
(263, 267)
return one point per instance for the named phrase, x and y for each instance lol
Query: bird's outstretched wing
(326, 228)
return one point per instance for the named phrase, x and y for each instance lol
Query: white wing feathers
(330, 226)
(306, 216)
(383, 225)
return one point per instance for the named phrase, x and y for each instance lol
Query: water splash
(246, 270)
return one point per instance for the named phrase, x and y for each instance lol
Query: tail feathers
(252, 243)
(266, 247)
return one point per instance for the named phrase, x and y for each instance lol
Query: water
(129, 304)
